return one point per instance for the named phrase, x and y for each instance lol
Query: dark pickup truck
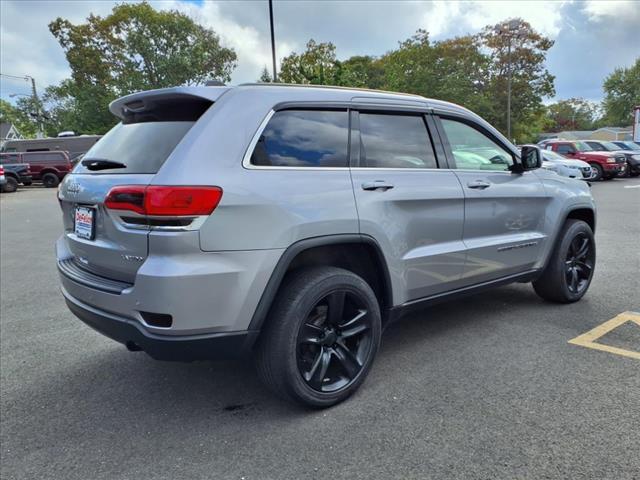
(15, 174)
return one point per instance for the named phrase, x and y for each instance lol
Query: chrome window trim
(246, 159)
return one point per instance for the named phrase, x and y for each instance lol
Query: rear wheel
(11, 185)
(320, 338)
(50, 180)
(568, 274)
(597, 172)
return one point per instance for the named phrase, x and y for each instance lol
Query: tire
(597, 172)
(569, 262)
(304, 354)
(50, 180)
(11, 185)
(634, 174)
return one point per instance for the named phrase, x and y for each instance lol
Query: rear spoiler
(141, 101)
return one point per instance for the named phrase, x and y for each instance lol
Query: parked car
(74, 145)
(564, 167)
(294, 223)
(16, 174)
(47, 167)
(627, 145)
(605, 165)
(632, 168)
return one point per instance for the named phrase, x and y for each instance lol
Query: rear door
(504, 226)
(113, 243)
(411, 207)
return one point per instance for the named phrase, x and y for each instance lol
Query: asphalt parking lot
(484, 388)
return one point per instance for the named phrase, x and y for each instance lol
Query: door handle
(377, 185)
(479, 184)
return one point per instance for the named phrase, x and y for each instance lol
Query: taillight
(126, 197)
(163, 200)
(1, 170)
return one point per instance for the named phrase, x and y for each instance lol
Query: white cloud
(624, 10)
(444, 16)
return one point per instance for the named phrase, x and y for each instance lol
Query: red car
(605, 165)
(47, 167)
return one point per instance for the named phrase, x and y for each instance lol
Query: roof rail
(332, 87)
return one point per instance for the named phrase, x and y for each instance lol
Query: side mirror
(530, 158)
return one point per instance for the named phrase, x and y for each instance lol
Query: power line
(25, 77)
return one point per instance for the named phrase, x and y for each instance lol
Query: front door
(411, 207)
(504, 223)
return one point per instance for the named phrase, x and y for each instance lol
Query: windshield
(631, 146)
(141, 147)
(610, 146)
(583, 147)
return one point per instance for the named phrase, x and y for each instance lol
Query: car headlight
(611, 160)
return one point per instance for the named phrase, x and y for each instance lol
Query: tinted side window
(562, 149)
(10, 159)
(473, 150)
(395, 141)
(304, 138)
(44, 157)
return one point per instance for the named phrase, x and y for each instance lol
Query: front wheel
(321, 337)
(569, 271)
(596, 172)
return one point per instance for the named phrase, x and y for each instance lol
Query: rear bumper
(184, 348)
(205, 293)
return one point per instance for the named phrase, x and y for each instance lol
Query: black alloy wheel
(334, 341)
(579, 263)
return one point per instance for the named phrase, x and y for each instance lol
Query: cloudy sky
(592, 37)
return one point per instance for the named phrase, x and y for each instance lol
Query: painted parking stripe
(589, 339)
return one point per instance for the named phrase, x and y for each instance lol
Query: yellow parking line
(589, 339)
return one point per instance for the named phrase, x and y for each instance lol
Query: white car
(566, 167)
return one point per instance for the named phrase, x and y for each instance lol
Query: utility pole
(273, 42)
(36, 104)
(510, 30)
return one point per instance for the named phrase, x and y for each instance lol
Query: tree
(19, 117)
(265, 77)
(317, 65)
(361, 72)
(572, 114)
(531, 82)
(622, 93)
(453, 70)
(134, 48)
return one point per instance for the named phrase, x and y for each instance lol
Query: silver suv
(294, 223)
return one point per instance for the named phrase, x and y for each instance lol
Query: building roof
(5, 128)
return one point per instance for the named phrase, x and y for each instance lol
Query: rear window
(304, 138)
(142, 147)
(147, 135)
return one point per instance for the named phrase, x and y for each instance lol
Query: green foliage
(134, 48)
(265, 77)
(572, 114)
(317, 65)
(19, 116)
(622, 93)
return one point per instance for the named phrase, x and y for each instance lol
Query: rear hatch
(113, 243)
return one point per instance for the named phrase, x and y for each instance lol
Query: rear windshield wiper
(101, 164)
